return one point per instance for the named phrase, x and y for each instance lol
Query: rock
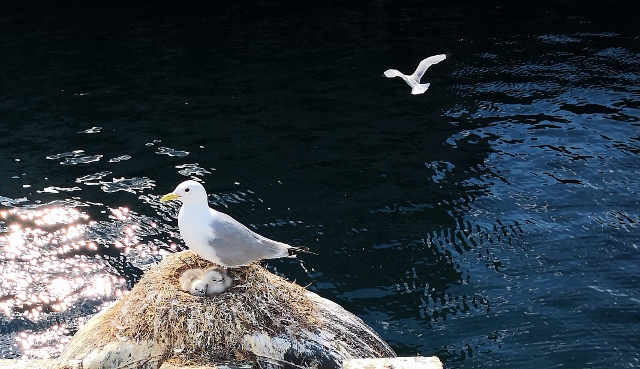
(380, 363)
(261, 318)
(419, 362)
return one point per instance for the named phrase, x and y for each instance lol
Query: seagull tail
(420, 89)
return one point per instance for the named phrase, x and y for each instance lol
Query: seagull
(217, 280)
(192, 281)
(218, 237)
(414, 80)
(205, 282)
(199, 287)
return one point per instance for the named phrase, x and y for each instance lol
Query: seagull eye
(187, 190)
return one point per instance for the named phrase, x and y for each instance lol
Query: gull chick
(199, 288)
(192, 281)
(414, 80)
(217, 280)
(216, 236)
(205, 282)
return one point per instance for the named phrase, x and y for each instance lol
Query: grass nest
(210, 328)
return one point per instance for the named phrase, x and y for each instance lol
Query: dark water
(492, 221)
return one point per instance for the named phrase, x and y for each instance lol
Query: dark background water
(492, 221)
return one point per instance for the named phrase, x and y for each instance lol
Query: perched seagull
(216, 236)
(217, 280)
(414, 80)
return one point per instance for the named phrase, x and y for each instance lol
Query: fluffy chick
(217, 279)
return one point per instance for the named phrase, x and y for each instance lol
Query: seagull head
(199, 288)
(188, 192)
(213, 276)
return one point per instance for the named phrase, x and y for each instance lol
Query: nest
(210, 328)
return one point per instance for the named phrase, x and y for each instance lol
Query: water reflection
(493, 221)
(55, 267)
(171, 152)
(120, 158)
(539, 183)
(189, 170)
(556, 162)
(44, 344)
(60, 266)
(132, 185)
(75, 157)
(93, 177)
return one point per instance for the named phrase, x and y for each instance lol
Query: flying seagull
(414, 80)
(216, 236)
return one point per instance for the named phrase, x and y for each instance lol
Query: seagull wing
(390, 73)
(237, 245)
(425, 64)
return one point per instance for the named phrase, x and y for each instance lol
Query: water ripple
(65, 155)
(493, 219)
(119, 159)
(60, 267)
(56, 189)
(48, 270)
(75, 157)
(93, 177)
(171, 152)
(189, 170)
(127, 184)
(92, 130)
(7, 201)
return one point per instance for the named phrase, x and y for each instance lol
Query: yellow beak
(169, 197)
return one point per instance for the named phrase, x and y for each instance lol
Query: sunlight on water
(92, 130)
(120, 158)
(93, 177)
(189, 170)
(49, 267)
(60, 267)
(75, 157)
(493, 221)
(127, 184)
(45, 344)
(171, 152)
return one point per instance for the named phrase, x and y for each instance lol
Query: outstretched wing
(425, 64)
(390, 73)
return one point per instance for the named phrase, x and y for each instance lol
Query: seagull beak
(169, 197)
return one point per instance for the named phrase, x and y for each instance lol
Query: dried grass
(210, 328)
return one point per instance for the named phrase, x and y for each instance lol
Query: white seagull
(205, 282)
(199, 288)
(192, 281)
(216, 236)
(414, 80)
(217, 280)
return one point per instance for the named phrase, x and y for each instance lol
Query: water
(492, 221)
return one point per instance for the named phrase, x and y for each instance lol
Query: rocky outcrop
(262, 318)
